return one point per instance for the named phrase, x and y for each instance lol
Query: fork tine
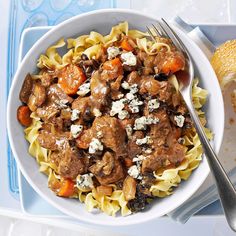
(175, 38)
(162, 31)
(151, 34)
(156, 30)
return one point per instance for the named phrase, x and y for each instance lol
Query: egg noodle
(166, 179)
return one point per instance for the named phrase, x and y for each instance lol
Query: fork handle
(225, 187)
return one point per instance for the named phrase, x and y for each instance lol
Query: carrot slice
(23, 115)
(173, 64)
(70, 78)
(112, 69)
(109, 65)
(67, 188)
(126, 45)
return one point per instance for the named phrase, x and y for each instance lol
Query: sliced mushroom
(129, 188)
(26, 89)
(37, 97)
(104, 190)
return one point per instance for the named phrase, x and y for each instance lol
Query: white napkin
(207, 193)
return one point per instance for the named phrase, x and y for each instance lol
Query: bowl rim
(28, 178)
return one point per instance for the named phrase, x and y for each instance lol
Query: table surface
(211, 11)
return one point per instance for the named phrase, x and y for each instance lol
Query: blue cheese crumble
(139, 158)
(95, 146)
(113, 52)
(142, 122)
(129, 59)
(153, 104)
(117, 108)
(134, 171)
(134, 105)
(85, 181)
(179, 120)
(84, 89)
(76, 130)
(145, 140)
(75, 114)
(125, 85)
(123, 114)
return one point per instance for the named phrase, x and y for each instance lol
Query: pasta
(97, 178)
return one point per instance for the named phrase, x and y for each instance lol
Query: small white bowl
(102, 21)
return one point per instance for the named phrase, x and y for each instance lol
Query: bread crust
(224, 62)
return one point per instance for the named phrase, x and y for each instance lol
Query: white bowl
(102, 21)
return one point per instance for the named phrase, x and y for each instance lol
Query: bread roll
(224, 63)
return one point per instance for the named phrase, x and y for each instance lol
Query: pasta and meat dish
(105, 120)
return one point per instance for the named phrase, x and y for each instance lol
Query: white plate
(102, 21)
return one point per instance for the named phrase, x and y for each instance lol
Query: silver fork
(225, 188)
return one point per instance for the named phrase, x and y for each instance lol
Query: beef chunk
(151, 163)
(133, 78)
(133, 148)
(108, 170)
(160, 131)
(113, 135)
(148, 85)
(71, 164)
(105, 166)
(56, 100)
(47, 140)
(99, 90)
(163, 156)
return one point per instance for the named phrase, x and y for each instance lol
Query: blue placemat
(31, 13)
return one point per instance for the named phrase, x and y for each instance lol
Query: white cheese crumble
(145, 140)
(179, 120)
(96, 112)
(76, 130)
(123, 114)
(95, 146)
(153, 104)
(134, 105)
(84, 181)
(75, 114)
(121, 95)
(139, 158)
(113, 52)
(151, 120)
(117, 106)
(84, 89)
(134, 171)
(125, 85)
(129, 131)
(129, 59)
(130, 96)
(148, 151)
(142, 122)
(134, 88)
